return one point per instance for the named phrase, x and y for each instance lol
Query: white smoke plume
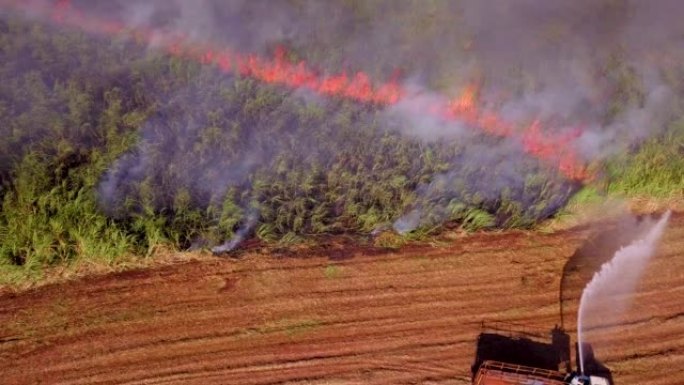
(251, 220)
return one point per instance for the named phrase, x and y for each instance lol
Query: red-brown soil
(397, 317)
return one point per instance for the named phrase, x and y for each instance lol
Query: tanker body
(501, 373)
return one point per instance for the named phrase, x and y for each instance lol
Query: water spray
(620, 276)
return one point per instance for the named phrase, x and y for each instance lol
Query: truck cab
(580, 379)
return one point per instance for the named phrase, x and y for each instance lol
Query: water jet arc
(617, 277)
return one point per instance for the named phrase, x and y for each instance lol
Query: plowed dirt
(391, 318)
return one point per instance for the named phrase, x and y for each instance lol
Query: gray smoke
(494, 174)
(251, 220)
(574, 59)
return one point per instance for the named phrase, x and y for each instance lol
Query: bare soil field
(360, 317)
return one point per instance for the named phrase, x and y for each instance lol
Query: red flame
(557, 149)
(280, 70)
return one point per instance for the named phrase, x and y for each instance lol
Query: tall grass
(46, 221)
(656, 169)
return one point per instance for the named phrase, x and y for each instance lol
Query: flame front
(556, 150)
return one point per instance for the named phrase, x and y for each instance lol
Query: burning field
(280, 70)
(359, 184)
(200, 127)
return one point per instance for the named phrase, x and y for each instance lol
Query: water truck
(500, 373)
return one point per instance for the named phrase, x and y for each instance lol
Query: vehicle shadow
(513, 344)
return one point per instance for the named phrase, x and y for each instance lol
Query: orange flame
(465, 104)
(556, 150)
